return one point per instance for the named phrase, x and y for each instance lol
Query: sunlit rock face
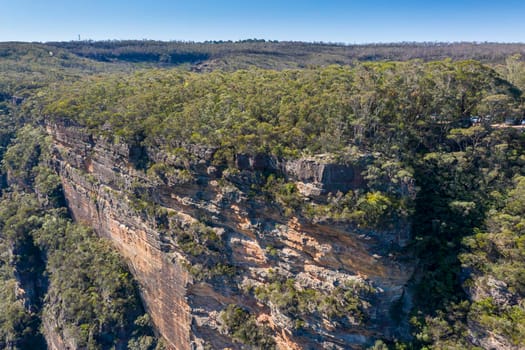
(196, 243)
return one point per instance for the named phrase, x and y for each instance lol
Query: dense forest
(277, 55)
(441, 125)
(55, 274)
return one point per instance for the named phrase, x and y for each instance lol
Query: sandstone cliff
(197, 240)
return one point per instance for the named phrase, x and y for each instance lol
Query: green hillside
(437, 117)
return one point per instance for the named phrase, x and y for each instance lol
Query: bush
(242, 326)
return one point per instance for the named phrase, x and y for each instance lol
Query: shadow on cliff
(30, 273)
(439, 228)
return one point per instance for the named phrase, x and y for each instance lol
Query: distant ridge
(281, 55)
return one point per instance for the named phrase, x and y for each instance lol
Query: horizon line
(272, 41)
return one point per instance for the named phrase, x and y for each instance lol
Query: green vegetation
(345, 304)
(198, 239)
(163, 173)
(460, 185)
(497, 257)
(285, 194)
(205, 250)
(413, 117)
(19, 321)
(228, 55)
(23, 155)
(57, 273)
(284, 113)
(364, 209)
(90, 297)
(243, 327)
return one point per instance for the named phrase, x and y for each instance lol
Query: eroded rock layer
(198, 240)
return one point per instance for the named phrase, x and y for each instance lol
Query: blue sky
(329, 20)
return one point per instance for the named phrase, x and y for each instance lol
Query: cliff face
(55, 340)
(197, 241)
(91, 178)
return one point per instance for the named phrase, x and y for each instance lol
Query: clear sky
(349, 21)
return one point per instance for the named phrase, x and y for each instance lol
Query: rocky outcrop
(54, 339)
(92, 175)
(319, 175)
(197, 241)
(498, 292)
(325, 175)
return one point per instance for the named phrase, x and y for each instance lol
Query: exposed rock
(322, 175)
(488, 287)
(316, 175)
(261, 162)
(180, 292)
(497, 290)
(54, 338)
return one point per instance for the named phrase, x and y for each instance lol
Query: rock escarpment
(198, 239)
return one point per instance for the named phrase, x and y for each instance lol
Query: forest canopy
(437, 130)
(288, 112)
